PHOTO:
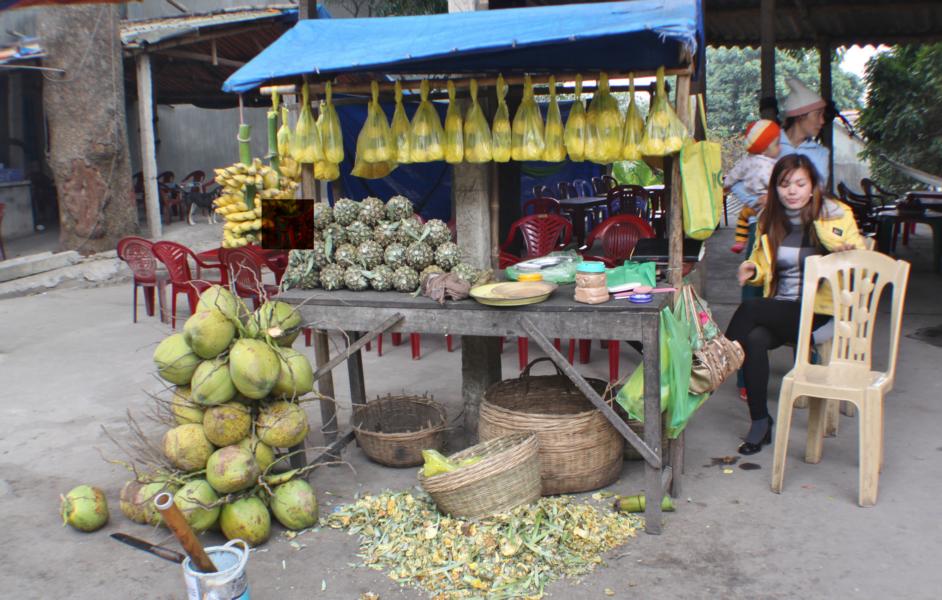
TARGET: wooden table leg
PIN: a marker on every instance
(325, 387)
(355, 372)
(654, 489)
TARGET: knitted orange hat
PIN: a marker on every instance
(761, 133)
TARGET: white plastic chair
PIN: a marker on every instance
(857, 279)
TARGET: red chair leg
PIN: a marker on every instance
(149, 294)
(396, 339)
(173, 311)
(523, 351)
(448, 345)
(307, 331)
(613, 360)
(134, 302)
(415, 340)
(369, 347)
(571, 350)
(501, 344)
(379, 345)
(585, 351)
(557, 344)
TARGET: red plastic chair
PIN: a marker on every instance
(244, 270)
(138, 254)
(176, 258)
(541, 206)
(541, 235)
(170, 199)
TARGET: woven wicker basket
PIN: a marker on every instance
(579, 448)
(508, 476)
(394, 430)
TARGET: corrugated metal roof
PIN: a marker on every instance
(137, 33)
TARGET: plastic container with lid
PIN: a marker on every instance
(530, 277)
(591, 286)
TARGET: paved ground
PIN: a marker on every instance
(71, 363)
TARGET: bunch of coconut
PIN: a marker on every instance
(235, 403)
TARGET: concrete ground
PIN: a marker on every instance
(71, 363)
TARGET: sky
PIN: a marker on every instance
(856, 57)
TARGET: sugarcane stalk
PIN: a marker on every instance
(245, 156)
(272, 155)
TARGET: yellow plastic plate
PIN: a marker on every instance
(513, 293)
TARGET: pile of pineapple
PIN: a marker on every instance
(372, 245)
(264, 184)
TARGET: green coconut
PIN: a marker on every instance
(281, 424)
(209, 332)
(232, 469)
(295, 505)
(84, 508)
(212, 384)
(264, 455)
(246, 519)
(175, 360)
(185, 410)
(296, 377)
(254, 368)
(137, 500)
(280, 320)
(187, 447)
(221, 299)
(227, 423)
(192, 500)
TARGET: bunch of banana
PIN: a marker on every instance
(260, 182)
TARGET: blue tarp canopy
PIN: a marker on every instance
(611, 36)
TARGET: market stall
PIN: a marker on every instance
(483, 48)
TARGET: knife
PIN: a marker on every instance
(164, 553)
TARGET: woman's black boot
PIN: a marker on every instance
(748, 447)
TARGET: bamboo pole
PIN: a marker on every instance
(676, 225)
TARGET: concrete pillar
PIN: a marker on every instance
(145, 107)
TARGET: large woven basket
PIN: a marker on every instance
(394, 430)
(579, 449)
(508, 476)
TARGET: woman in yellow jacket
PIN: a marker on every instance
(797, 222)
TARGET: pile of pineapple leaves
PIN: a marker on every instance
(510, 555)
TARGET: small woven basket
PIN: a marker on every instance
(394, 430)
(508, 476)
(579, 449)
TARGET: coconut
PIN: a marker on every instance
(227, 423)
(186, 447)
(192, 500)
(264, 455)
(246, 519)
(185, 410)
(84, 508)
(211, 383)
(295, 505)
(219, 298)
(175, 360)
(280, 320)
(209, 332)
(281, 424)
(296, 377)
(232, 469)
(254, 367)
(137, 500)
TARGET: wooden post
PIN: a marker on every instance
(767, 52)
(145, 111)
(827, 133)
(675, 213)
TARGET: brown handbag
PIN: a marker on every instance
(716, 358)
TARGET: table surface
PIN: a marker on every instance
(583, 200)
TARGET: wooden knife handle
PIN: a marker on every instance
(180, 528)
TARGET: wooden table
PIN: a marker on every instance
(887, 219)
(558, 317)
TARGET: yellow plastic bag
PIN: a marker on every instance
(331, 133)
(500, 130)
(555, 150)
(477, 133)
(663, 132)
(283, 136)
(425, 139)
(363, 167)
(574, 134)
(526, 140)
(400, 128)
(377, 142)
(326, 171)
(634, 126)
(454, 138)
(603, 126)
(306, 142)
(701, 168)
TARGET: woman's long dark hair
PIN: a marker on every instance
(774, 222)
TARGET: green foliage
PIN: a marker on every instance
(903, 117)
(635, 172)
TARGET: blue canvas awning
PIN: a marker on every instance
(612, 36)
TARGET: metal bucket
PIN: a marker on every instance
(228, 583)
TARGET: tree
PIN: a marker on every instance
(88, 142)
(386, 8)
(903, 117)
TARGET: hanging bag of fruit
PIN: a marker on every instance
(477, 133)
(425, 140)
(365, 168)
(634, 126)
(284, 135)
(574, 135)
(331, 133)
(664, 134)
(306, 142)
(500, 130)
(526, 140)
(454, 138)
(555, 150)
(400, 128)
(378, 143)
(603, 126)
(325, 170)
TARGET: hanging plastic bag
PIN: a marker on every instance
(400, 128)
(664, 134)
(377, 143)
(477, 133)
(306, 142)
(368, 170)
(454, 138)
(331, 133)
(555, 150)
(283, 136)
(526, 139)
(634, 126)
(701, 166)
(426, 136)
(603, 126)
(500, 130)
(574, 134)
(324, 170)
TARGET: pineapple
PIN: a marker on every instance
(381, 278)
(372, 211)
(310, 280)
(332, 277)
(429, 270)
(385, 232)
(370, 254)
(320, 254)
(419, 255)
(345, 255)
(395, 255)
(448, 255)
(358, 232)
(437, 233)
(346, 211)
(409, 231)
(355, 279)
(323, 215)
(336, 233)
(399, 207)
(466, 272)
(405, 279)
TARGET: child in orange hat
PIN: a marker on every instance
(753, 171)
